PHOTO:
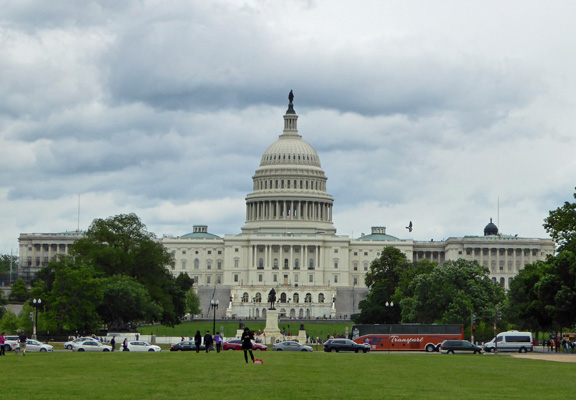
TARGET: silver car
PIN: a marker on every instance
(90, 345)
(68, 345)
(34, 346)
(291, 346)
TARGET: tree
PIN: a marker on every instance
(184, 282)
(74, 295)
(382, 279)
(451, 294)
(19, 292)
(193, 302)
(121, 245)
(125, 301)
(8, 262)
(561, 225)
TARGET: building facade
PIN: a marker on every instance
(289, 243)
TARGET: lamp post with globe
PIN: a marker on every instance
(36, 303)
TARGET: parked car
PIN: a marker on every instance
(236, 344)
(186, 345)
(90, 345)
(35, 346)
(511, 341)
(291, 346)
(138, 345)
(11, 342)
(459, 346)
(68, 345)
(341, 345)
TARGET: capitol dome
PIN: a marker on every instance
(289, 187)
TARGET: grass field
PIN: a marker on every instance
(315, 375)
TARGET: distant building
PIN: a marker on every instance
(289, 243)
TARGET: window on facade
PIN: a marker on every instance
(355, 266)
(308, 298)
(355, 253)
(296, 278)
(196, 280)
(311, 278)
(335, 264)
(219, 265)
(183, 264)
(208, 280)
(335, 278)
(236, 263)
(209, 251)
(355, 281)
(196, 251)
(219, 251)
(296, 298)
(285, 263)
(275, 278)
(219, 279)
(183, 251)
(196, 263)
(296, 264)
(275, 264)
(235, 277)
(365, 266)
(245, 298)
(260, 263)
(311, 264)
(209, 265)
(258, 297)
(260, 277)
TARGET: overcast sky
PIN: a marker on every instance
(429, 111)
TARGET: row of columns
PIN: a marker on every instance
(289, 209)
(268, 256)
(523, 260)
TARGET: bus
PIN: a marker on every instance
(407, 337)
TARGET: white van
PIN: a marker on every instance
(511, 341)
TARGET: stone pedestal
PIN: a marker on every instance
(301, 336)
(271, 332)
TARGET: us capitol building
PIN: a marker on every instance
(289, 243)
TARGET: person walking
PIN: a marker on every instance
(208, 341)
(198, 341)
(22, 342)
(218, 342)
(247, 338)
(2, 345)
(125, 345)
(113, 343)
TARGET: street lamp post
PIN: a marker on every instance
(214, 305)
(36, 304)
(389, 306)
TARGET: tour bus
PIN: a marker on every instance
(407, 337)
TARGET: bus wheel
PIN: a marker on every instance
(522, 349)
(430, 348)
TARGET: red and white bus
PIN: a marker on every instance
(407, 337)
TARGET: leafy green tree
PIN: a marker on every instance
(451, 294)
(70, 301)
(126, 300)
(8, 261)
(184, 282)
(382, 279)
(9, 322)
(19, 292)
(561, 225)
(121, 245)
(193, 302)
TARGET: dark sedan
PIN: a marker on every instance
(341, 345)
(459, 346)
(186, 345)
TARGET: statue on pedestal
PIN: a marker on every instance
(272, 299)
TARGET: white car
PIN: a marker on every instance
(11, 342)
(35, 346)
(90, 345)
(141, 346)
(70, 344)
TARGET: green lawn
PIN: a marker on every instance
(315, 375)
